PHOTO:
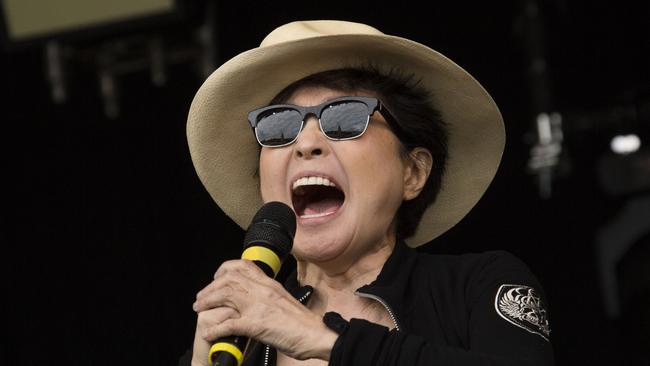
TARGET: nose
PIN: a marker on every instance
(311, 142)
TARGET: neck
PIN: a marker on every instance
(335, 283)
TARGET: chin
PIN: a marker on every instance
(317, 250)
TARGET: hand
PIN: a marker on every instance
(242, 300)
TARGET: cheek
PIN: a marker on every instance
(271, 176)
(380, 178)
(387, 184)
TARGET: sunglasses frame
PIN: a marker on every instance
(372, 103)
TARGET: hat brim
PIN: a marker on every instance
(225, 153)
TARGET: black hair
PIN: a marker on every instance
(419, 124)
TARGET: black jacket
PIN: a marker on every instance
(470, 309)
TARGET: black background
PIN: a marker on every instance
(108, 233)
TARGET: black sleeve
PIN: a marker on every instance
(507, 326)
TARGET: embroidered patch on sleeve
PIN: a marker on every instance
(523, 307)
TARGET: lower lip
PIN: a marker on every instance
(321, 219)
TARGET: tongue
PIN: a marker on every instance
(324, 206)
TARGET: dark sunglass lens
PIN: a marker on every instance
(344, 120)
(278, 126)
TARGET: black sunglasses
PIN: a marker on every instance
(342, 118)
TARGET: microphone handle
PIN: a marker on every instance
(233, 356)
(229, 351)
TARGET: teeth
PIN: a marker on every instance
(313, 181)
(322, 214)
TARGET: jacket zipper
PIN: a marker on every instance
(384, 303)
(305, 296)
(267, 349)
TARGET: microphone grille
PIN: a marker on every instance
(275, 225)
(278, 213)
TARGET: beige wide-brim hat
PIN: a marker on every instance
(225, 153)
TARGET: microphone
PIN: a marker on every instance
(267, 243)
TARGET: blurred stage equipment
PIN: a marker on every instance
(546, 152)
(622, 129)
(625, 144)
(114, 38)
(626, 176)
(546, 134)
(613, 243)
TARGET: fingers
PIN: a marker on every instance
(245, 267)
(225, 328)
(210, 322)
(220, 293)
(258, 307)
(234, 282)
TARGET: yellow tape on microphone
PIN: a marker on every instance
(262, 254)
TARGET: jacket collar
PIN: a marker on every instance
(391, 284)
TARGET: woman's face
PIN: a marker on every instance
(352, 219)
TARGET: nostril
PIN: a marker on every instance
(314, 152)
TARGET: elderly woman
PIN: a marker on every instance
(379, 144)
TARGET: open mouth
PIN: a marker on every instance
(316, 197)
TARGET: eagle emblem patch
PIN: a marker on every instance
(523, 307)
